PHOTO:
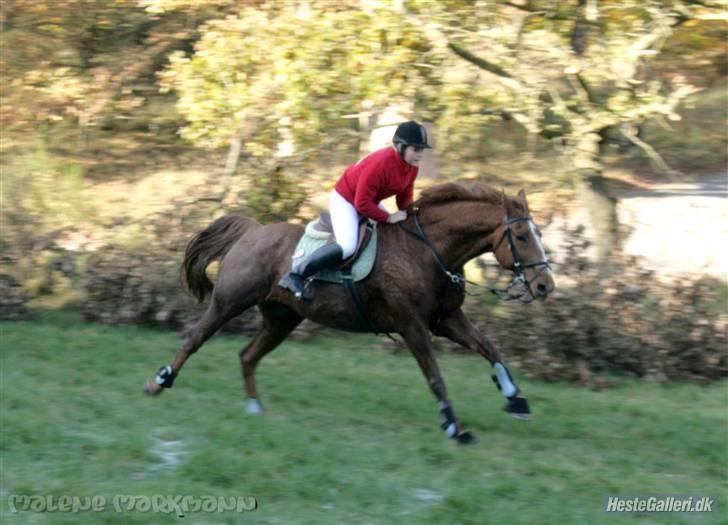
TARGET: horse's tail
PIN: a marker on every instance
(209, 245)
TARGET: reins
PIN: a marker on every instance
(455, 278)
(459, 279)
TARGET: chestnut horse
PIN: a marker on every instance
(415, 288)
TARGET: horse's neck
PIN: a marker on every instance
(461, 232)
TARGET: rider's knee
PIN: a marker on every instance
(347, 249)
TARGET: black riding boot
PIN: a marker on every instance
(324, 257)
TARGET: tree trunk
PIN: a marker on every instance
(594, 192)
(365, 130)
(602, 207)
(231, 165)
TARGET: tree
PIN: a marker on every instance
(295, 74)
(571, 72)
(277, 79)
(84, 63)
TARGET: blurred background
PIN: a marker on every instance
(128, 125)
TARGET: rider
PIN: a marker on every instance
(381, 174)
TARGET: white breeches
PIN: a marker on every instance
(345, 220)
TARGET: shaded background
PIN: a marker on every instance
(129, 125)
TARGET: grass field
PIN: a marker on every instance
(351, 435)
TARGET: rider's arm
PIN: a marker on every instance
(367, 188)
(404, 199)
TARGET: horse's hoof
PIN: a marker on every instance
(466, 438)
(254, 408)
(518, 408)
(151, 388)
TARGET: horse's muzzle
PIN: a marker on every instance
(542, 285)
(542, 291)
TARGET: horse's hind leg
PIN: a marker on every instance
(278, 323)
(217, 314)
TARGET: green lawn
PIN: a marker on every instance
(351, 435)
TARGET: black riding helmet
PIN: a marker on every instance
(411, 133)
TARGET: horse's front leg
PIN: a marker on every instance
(418, 341)
(458, 328)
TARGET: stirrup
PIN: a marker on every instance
(296, 285)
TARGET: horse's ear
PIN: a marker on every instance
(522, 196)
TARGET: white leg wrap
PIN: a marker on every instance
(451, 430)
(254, 407)
(508, 389)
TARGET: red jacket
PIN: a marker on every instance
(374, 178)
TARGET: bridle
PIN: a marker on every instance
(519, 265)
(519, 279)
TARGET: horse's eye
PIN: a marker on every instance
(521, 238)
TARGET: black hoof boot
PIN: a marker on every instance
(296, 284)
(165, 376)
(466, 438)
(518, 408)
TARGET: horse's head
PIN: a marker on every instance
(520, 250)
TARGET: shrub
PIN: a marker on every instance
(619, 319)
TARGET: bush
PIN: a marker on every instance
(600, 320)
(143, 288)
(621, 319)
(12, 299)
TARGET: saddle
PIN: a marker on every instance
(320, 232)
(322, 228)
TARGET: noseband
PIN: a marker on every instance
(519, 265)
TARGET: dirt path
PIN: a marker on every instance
(679, 227)
(676, 228)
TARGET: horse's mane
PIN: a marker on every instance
(462, 190)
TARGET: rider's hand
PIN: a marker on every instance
(397, 216)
